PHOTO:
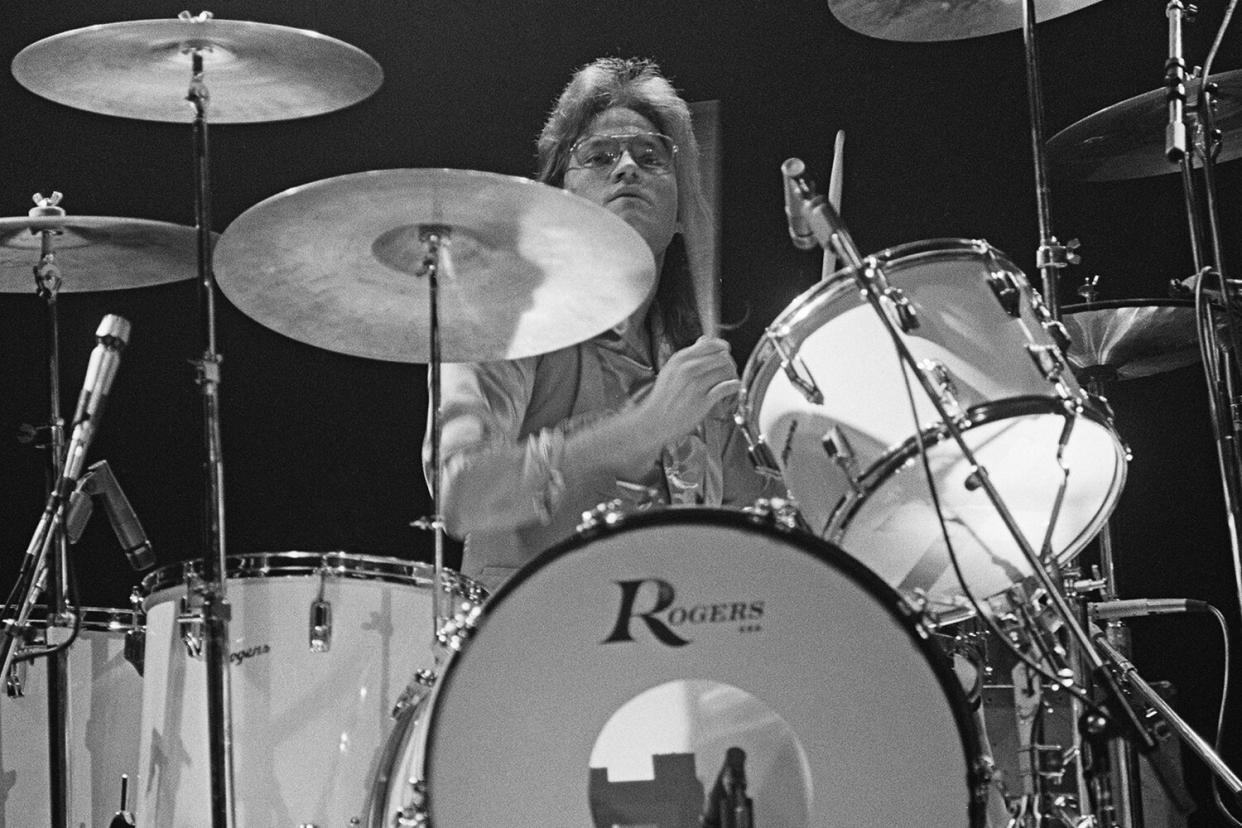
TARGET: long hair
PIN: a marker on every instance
(686, 295)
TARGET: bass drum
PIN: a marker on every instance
(607, 681)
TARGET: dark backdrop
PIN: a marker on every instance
(321, 450)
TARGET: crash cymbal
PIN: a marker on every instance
(529, 268)
(1126, 140)
(1131, 338)
(933, 20)
(254, 72)
(97, 252)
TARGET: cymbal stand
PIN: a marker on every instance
(436, 240)
(215, 606)
(46, 563)
(1051, 256)
(898, 316)
(1220, 354)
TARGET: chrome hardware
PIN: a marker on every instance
(906, 317)
(190, 619)
(938, 375)
(1004, 287)
(15, 681)
(608, 513)
(135, 648)
(320, 633)
(839, 451)
(791, 365)
(460, 627)
(1048, 360)
(415, 691)
(778, 510)
(1087, 290)
(414, 814)
(761, 455)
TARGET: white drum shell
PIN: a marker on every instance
(1014, 422)
(506, 735)
(307, 726)
(104, 704)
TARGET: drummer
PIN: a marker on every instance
(640, 413)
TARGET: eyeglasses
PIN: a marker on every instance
(650, 150)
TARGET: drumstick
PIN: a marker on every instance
(834, 198)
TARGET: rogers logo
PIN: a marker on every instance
(661, 614)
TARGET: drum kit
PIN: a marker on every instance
(937, 502)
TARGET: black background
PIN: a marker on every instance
(321, 450)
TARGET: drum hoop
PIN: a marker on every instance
(990, 412)
(298, 563)
(760, 368)
(896, 607)
(94, 619)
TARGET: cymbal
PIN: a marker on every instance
(1126, 140)
(529, 268)
(1131, 338)
(97, 252)
(924, 21)
(254, 72)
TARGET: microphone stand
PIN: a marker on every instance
(215, 606)
(1219, 354)
(45, 563)
(829, 230)
(1178, 725)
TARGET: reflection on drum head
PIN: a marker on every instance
(658, 756)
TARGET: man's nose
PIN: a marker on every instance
(626, 167)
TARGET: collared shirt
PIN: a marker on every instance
(526, 407)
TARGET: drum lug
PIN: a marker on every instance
(15, 681)
(135, 648)
(1006, 289)
(839, 451)
(191, 623)
(794, 369)
(1048, 360)
(320, 632)
(946, 389)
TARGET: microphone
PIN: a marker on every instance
(1137, 607)
(799, 229)
(100, 480)
(112, 336)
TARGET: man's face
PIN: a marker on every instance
(645, 197)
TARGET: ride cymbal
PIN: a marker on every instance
(97, 252)
(920, 21)
(254, 72)
(1127, 139)
(528, 268)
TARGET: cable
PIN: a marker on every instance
(987, 619)
(1220, 716)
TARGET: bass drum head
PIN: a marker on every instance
(607, 679)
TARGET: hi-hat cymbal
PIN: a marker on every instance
(1128, 339)
(932, 20)
(1127, 139)
(254, 72)
(529, 268)
(97, 252)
